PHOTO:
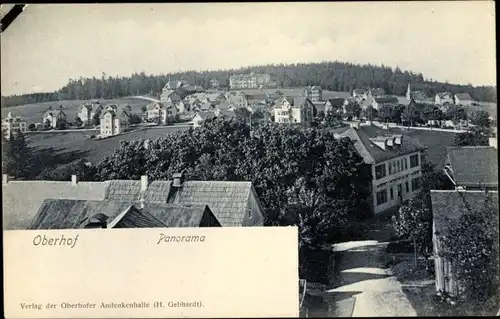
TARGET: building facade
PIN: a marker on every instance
(12, 125)
(297, 110)
(160, 112)
(395, 162)
(314, 93)
(444, 98)
(249, 81)
(113, 123)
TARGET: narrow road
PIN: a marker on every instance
(365, 285)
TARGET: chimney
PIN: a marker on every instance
(144, 183)
(493, 142)
(74, 180)
(178, 179)
(5, 178)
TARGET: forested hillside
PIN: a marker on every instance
(335, 76)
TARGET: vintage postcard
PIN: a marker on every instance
(298, 159)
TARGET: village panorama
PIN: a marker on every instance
(390, 177)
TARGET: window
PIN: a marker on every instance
(249, 213)
(413, 160)
(390, 169)
(379, 171)
(399, 166)
(406, 163)
(407, 187)
(382, 197)
(415, 184)
(392, 193)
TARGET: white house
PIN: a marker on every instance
(12, 125)
(159, 111)
(237, 98)
(443, 98)
(202, 116)
(395, 162)
(113, 123)
(53, 117)
(296, 110)
(314, 93)
(463, 99)
(87, 111)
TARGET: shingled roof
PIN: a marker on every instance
(174, 215)
(362, 139)
(474, 165)
(451, 204)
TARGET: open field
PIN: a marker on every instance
(435, 141)
(94, 150)
(33, 113)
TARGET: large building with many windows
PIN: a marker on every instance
(249, 81)
(395, 162)
(13, 124)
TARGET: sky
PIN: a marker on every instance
(50, 43)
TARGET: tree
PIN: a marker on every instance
(385, 113)
(352, 109)
(96, 119)
(455, 113)
(144, 109)
(47, 125)
(413, 222)
(78, 121)
(135, 119)
(471, 245)
(61, 124)
(474, 137)
(332, 118)
(15, 156)
(32, 127)
(481, 118)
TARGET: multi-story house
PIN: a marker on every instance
(159, 112)
(378, 102)
(201, 116)
(170, 96)
(395, 162)
(249, 81)
(53, 117)
(12, 125)
(113, 123)
(314, 93)
(463, 99)
(474, 172)
(237, 98)
(336, 105)
(444, 98)
(359, 93)
(87, 111)
(296, 110)
(184, 106)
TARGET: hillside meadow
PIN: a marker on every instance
(33, 113)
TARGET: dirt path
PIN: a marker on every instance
(366, 287)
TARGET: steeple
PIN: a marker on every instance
(408, 92)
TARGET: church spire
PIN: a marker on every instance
(408, 92)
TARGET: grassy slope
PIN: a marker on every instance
(79, 145)
(33, 113)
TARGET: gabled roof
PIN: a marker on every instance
(21, 199)
(336, 102)
(113, 113)
(463, 96)
(175, 215)
(403, 100)
(359, 91)
(205, 115)
(474, 165)
(445, 95)
(214, 96)
(206, 106)
(362, 139)
(227, 113)
(335, 94)
(224, 106)
(452, 204)
(386, 99)
(377, 92)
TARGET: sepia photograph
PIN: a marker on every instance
(371, 127)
